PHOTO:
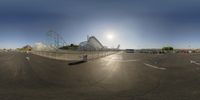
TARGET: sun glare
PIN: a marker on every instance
(110, 36)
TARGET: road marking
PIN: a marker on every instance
(121, 60)
(28, 58)
(116, 58)
(125, 60)
(149, 65)
(194, 62)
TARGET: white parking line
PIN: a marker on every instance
(28, 58)
(154, 66)
(121, 60)
(194, 62)
(126, 60)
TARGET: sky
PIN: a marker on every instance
(132, 23)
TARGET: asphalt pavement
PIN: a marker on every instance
(121, 76)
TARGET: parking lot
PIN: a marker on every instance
(121, 76)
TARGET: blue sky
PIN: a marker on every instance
(134, 23)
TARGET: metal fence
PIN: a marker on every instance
(73, 55)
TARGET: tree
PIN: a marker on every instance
(167, 49)
(71, 45)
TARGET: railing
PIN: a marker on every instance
(73, 55)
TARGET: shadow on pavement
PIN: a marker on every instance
(77, 62)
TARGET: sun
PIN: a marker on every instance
(110, 36)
